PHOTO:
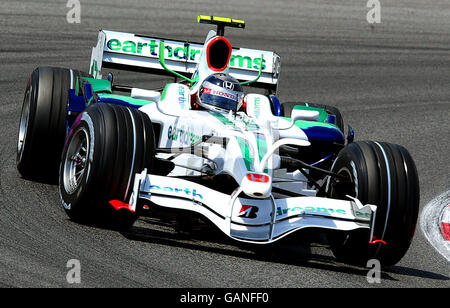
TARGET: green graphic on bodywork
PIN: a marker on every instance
(182, 134)
(262, 145)
(262, 148)
(323, 115)
(246, 155)
(223, 119)
(195, 79)
(99, 85)
(164, 92)
(94, 69)
(77, 87)
(249, 124)
(302, 124)
(257, 107)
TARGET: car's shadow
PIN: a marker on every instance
(291, 251)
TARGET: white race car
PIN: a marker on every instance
(257, 169)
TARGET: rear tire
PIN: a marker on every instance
(385, 175)
(106, 147)
(42, 128)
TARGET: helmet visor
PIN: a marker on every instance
(219, 97)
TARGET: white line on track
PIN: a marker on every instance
(430, 223)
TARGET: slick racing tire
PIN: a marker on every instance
(107, 145)
(384, 175)
(42, 127)
(286, 110)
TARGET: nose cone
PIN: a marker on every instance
(257, 185)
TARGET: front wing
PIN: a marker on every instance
(259, 221)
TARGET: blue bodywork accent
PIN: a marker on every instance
(326, 134)
(79, 99)
(88, 91)
(76, 103)
(331, 119)
(275, 105)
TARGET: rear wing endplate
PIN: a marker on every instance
(131, 52)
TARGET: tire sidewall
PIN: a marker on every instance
(73, 202)
(30, 99)
(109, 170)
(379, 173)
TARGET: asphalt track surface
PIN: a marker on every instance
(390, 80)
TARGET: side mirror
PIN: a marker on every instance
(110, 78)
(350, 134)
(304, 115)
(275, 105)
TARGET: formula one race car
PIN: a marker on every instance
(256, 169)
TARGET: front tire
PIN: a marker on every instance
(385, 175)
(106, 147)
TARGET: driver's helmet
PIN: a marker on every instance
(220, 92)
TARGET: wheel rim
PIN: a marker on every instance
(340, 189)
(75, 161)
(23, 127)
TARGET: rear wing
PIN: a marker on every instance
(132, 52)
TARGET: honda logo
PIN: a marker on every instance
(228, 85)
